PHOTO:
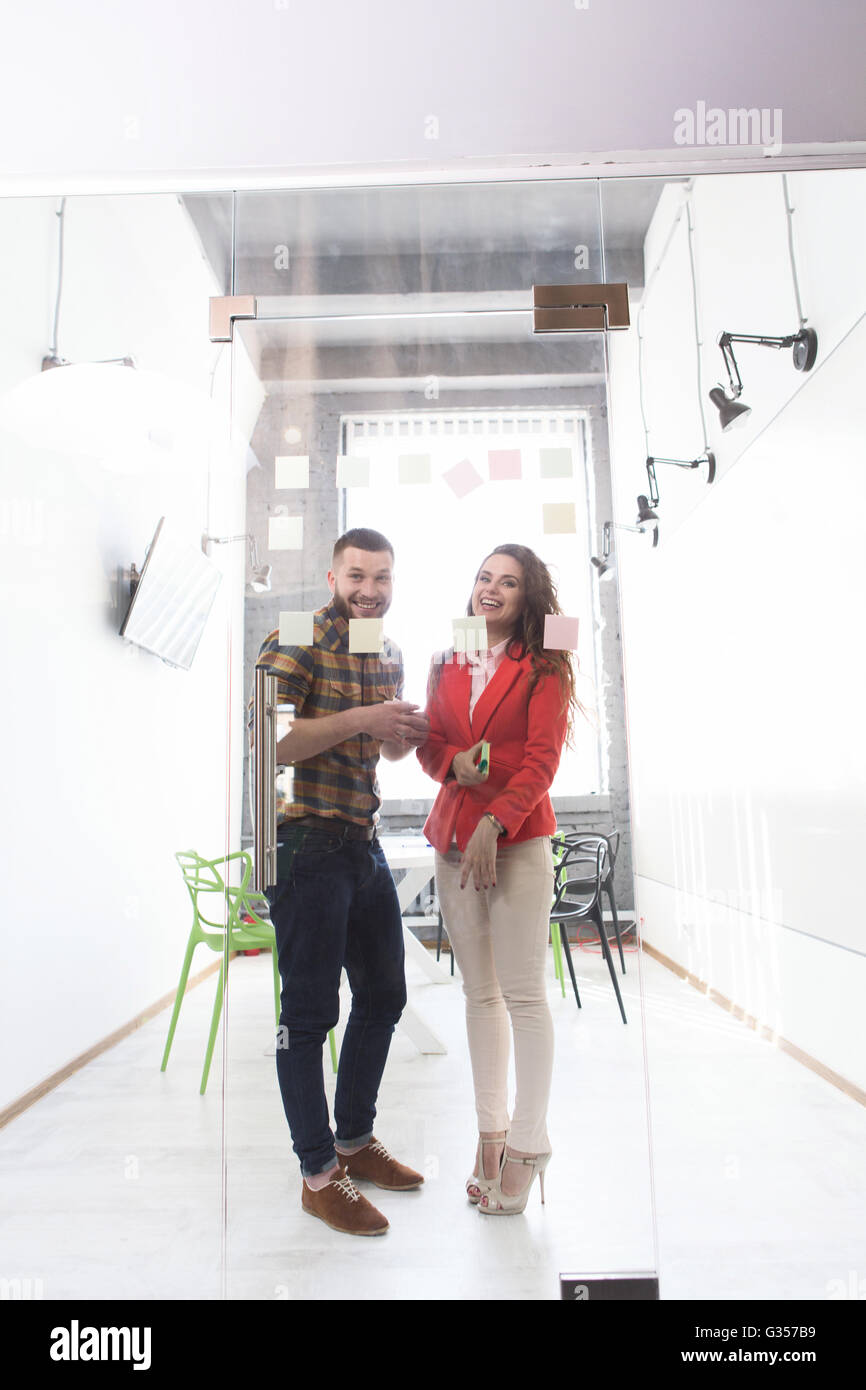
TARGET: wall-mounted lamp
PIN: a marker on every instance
(646, 505)
(260, 576)
(647, 513)
(731, 410)
(604, 562)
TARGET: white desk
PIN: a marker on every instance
(412, 853)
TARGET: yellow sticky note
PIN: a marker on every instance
(285, 532)
(353, 472)
(296, 629)
(556, 463)
(414, 468)
(469, 634)
(366, 635)
(559, 518)
(292, 470)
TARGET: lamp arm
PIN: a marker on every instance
(653, 482)
(761, 340)
(708, 458)
(730, 361)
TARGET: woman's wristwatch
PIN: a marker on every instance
(500, 828)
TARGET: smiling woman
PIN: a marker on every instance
(499, 595)
(491, 831)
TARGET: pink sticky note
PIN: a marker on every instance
(560, 633)
(462, 478)
(504, 464)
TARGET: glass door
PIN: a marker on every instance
(745, 752)
(116, 460)
(402, 389)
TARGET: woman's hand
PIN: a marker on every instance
(479, 856)
(464, 769)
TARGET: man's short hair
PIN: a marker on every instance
(361, 538)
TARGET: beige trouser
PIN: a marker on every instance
(499, 937)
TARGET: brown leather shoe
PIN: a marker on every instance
(374, 1164)
(341, 1206)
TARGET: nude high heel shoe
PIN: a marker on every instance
(476, 1186)
(495, 1202)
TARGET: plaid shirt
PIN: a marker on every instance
(324, 679)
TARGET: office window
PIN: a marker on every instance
(491, 480)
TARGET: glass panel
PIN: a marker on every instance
(113, 761)
(743, 681)
(353, 250)
(401, 317)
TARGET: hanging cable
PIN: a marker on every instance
(698, 344)
(789, 211)
(640, 376)
(58, 213)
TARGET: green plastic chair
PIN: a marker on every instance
(235, 924)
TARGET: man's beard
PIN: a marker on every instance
(342, 606)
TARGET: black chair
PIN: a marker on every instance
(579, 883)
(589, 844)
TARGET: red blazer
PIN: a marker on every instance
(525, 734)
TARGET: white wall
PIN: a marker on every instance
(205, 89)
(744, 660)
(111, 760)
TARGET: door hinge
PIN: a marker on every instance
(579, 308)
(224, 310)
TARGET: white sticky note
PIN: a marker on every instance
(559, 518)
(469, 634)
(296, 629)
(366, 635)
(556, 463)
(414, 468)
(353, 472)
(285, 533)
(292, 470)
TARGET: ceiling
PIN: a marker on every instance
(373, 268)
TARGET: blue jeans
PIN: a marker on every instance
(334, 905)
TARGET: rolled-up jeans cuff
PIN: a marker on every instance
(359, 1143)
(325, 1168)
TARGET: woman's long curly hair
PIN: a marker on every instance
(540, 598)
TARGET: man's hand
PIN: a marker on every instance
(464, 769)
(396, 721)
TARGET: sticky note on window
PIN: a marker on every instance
(504, 464)
(463, 478)
(292, 470)
(285, 532)
(560, 633)
(296, 629)
(556, 463)
(366, 635)
(558, 518)
(414, 468)
(353, 472)
(469, 634)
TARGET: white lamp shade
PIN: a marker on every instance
(117, 414)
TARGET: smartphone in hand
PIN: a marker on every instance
(483, 763)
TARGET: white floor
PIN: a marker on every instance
(112, 1184)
